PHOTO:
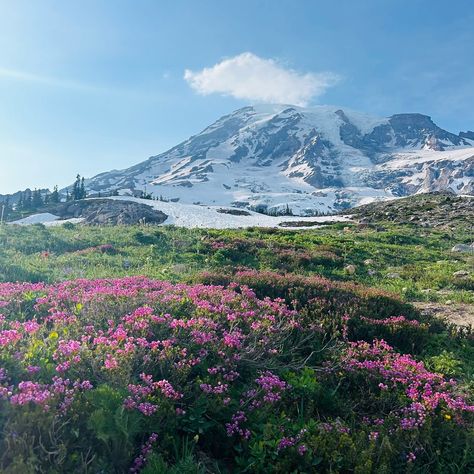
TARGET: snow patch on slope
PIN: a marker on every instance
(193, 216)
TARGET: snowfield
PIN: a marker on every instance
(195, 216)
(46, 219)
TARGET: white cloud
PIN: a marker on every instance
(250, 77)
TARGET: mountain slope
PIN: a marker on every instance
(440, 209)
(320, 158)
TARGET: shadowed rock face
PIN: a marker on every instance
(110, 212)
(414, 130)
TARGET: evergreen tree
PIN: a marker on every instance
(82, 190)
(54, 198)
(20, 203)
(27, 201)
(76, 189)
(36, 200)
(5, 209)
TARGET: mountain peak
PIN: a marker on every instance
(311, 159)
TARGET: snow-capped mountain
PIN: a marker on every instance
(321, 159)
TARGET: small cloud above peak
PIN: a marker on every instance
(250, 77)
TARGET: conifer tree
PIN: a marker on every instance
(76, 189)
(82, 190)
(54, 198)
(36, 200)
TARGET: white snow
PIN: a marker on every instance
(47, 219)
(43, 218)
(193, 216)
(196, 216)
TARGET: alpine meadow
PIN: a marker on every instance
(283, 286)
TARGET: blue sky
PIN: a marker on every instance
(92, 85)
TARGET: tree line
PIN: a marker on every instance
(33, 200)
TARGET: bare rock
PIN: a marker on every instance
(461, 274)
(351, 269)
(110, 212)
(464, 248)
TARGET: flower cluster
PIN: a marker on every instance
(145, 451)
(424, 391)
(204, 359)
(394, 322)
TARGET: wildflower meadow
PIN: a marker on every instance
(233, 370)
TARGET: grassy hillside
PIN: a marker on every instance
(261, 350)
(415, 263)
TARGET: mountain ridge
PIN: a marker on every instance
(310, 159)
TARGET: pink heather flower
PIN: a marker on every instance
(147, 408)
(31, 326)
(110, 362)
(302, 449)
(63, 366)
(70, 347)
(31, 392)
(234, 427)
(272, 386)
(395, 321)
(286, 442)
(233, 339)
(167, 390)
(84, 385)
(373, 435)
(146, 449)
(9, 336)
(217, 389)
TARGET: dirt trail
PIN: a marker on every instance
(457, 313)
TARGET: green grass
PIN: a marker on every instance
(421, 257)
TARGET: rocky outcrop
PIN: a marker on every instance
(109, 212)
(469, 135)
(463, 248)
(425, 210)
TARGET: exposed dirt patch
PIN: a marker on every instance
(457, 313)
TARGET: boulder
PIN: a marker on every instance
(461, 274)
(351, 269)
(463, 248)
(110, 212)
